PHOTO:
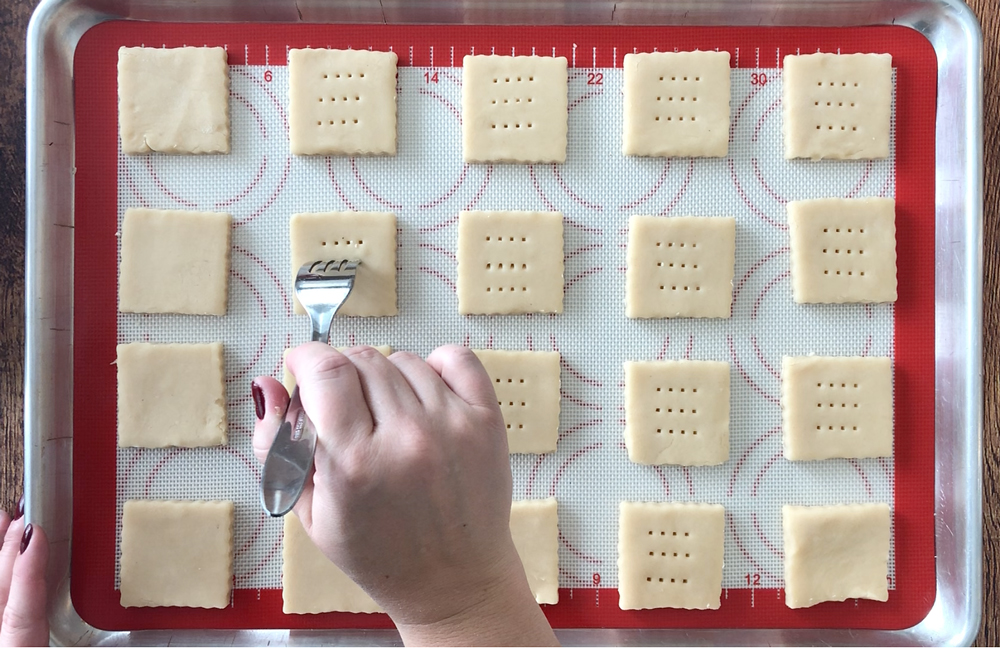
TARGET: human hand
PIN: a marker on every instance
(412, 488)
(23, 557)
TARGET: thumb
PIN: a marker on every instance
(25, 621)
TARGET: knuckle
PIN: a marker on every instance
(331, 364)
(363, 352)
(16, 622)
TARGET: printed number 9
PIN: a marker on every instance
(597, 579)
(267, 76)
(758, 79)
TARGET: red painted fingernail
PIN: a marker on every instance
(20, 509)
(258, 399)
(26, 538)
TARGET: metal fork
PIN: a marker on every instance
(321, 287)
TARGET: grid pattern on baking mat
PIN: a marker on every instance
(426, 184)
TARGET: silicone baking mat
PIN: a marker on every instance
(426, 185)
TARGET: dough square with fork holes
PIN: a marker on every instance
(680, 266)
(534, 526)
(171, 395)
(843, 250)
(177, 553)
(342, 102)
(514, 109)
(836, 407)
(174, 262)
(676, 104)
(173, 100)
(834, 553)
(368, 236)
(837, 106)
(670, 555)
(288, 380)
(311, 583)
(510, 262)
(527, 387)
(677, 412)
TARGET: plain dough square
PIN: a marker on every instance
(843, 250)
(833, 553)
(514, 109)
(676, 104)
(177, 553)
(534, 526)
(670, 555)
(836, 407)
(342, 102)
(527, 387)
(171, 395)
(173, 100)
(368, 236)
(174, 262)
(677, 412)
(311, 583)
(510, 262)
(680, 266)
(288, 380)
(837, 106)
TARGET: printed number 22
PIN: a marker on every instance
(758, 79)
(595, 78)
(430, 78)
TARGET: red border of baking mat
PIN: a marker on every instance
(95, 326)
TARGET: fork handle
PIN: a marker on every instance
(321, 325)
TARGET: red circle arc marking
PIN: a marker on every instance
(652, 192)
(763, 183)
(440, 250)
(445, 224)
(745, 375)
(253, 111)
(746, 200)
(681, 190)
(763, 118)
(336, 185)
(746, 454)
(444, 102)
(368, 190)
(538, 189)
(763, 538)
(253, 362)
(579, 427)
(739, 112)
(764, 469)
(260, 565)
(482, 188)
(437, 274)
(746, 554)
(572, 194)
(130, 465)
(246, 191)
(270, 95)
(864, 477)
(867, 349)
(534, 473)
(767, 288)
(687, 478)
(760, 358)
(272, 197)
(585, 96)
(755, 267)
(580, 402)
(662, 353)
(135, 190)
(270, 273)
(157, 468)
(573, 372)
(253, 290)
(449, 193)
(552, 492)
(689, 348)
(589, 272)
(663, 480)
(583, 250)
(861, 181)
(163, 188)
(576, 580)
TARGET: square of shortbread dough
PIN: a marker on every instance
(514, 109)
(534, 526)
(843, 250)
(174, 262)
(676, 104)
(366, 236)
(680, 266)
(342, 102)
(835, 553)
(670, 555)
(527, 387)
(510, 262)
(311, 583)
(677, 412)
(171, 395)
(837, 106)
(177, 553)
(836, 407)
(288, 380)
(173, 100)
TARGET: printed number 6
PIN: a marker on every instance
(267, 76)
(758, 79)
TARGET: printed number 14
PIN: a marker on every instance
(430, 78)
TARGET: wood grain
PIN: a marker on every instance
(14, 16)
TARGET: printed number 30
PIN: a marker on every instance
(758, 79)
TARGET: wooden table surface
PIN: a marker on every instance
(14, 16)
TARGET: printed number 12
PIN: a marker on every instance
(753, 579)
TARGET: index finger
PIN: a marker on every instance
(331, 393)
